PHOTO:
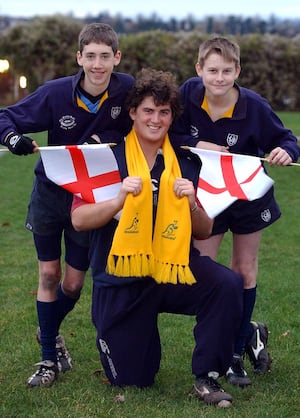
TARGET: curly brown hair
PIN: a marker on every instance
(161, 85)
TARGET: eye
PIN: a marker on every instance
(105, 56)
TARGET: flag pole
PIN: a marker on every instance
(261, 159)
(79, 146)
(294, 164)
(110, 144)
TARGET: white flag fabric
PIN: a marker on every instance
(91, 172)
(88, 171)
(225, 178)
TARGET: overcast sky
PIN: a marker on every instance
(163, 8)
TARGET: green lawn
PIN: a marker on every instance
(291, 120)
(82, 393)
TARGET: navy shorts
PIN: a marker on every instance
(246, 217)
(48, 217)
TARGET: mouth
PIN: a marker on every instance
(154, 128)
(97, 73)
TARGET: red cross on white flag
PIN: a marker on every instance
(91, 172)
(88, 171)
(225, 178)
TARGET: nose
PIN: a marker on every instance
(220, 76)
(155, 117)
(98, 62)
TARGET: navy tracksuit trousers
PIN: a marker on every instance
(126, 321)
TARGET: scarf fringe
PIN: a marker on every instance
(141, 265)
(138, 265)
(172, 273)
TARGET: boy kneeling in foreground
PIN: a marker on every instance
(145, 264)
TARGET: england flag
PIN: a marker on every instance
(91, 172)
(88, 171)
(225, 178)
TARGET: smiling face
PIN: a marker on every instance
(218, 75)
(98, 61)
(151, 122)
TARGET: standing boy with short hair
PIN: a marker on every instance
(222, 116)
(71, 109)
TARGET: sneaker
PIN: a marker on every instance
(45, 375)
(210, 391)
(236, 374)
(64, 360)
(256, 349)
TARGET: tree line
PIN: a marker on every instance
(45, 48)
(232, 24)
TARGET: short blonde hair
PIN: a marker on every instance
(229, 50)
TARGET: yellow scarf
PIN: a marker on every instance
(133, 251)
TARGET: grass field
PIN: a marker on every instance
(291, 120)
(83, 392)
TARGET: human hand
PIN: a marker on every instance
(129, 185)
(185, 187)
(279, 156)
(132, 185)
(19, 144)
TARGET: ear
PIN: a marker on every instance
(117, 58)
(237, 72)
(79, 58)
(198, 69)
(132, 113)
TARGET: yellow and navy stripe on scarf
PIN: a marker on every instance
(135, 251)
